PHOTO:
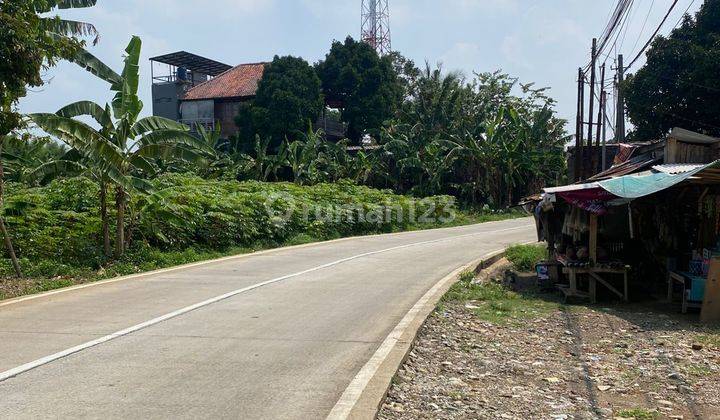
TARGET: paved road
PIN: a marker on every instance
(285, 349)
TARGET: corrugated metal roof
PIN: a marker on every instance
(676, 168)
(238, 82)
(633, 165)
(193, 62)
(687, 136)
(573, 187)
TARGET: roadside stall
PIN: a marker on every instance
(657, 226)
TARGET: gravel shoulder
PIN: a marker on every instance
(489, 353)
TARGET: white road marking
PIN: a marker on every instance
(219, 260)
(343, 408)
(53, 357)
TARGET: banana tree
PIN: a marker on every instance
(120, 151)
(28, 38)
(261, 164)
(64, 27)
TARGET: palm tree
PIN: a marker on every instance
(120, 152)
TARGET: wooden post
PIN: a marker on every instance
(597, 165)
(604, 131)
(627, 286)
(579, 124)
(593, 237)
(620, 130)
(711, 306)
(591, 118)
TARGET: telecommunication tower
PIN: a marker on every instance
(376, 25)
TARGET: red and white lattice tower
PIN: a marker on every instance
(376, 25)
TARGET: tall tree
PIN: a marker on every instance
(680, 84)
(287, 100)
(364, 85)
(30, 43)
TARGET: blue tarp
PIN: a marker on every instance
(636, 186)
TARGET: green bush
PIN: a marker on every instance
(57, 228)
(526, 257)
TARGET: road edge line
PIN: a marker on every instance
(21, 299)
(180, 312)
(363, 397)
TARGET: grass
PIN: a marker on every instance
(698, 370)
(499, 305)
(525, 257)
(710, 340)
(44, 276)
(638, 414)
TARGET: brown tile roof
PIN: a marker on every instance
(238, 82)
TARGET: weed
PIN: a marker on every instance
(710, 340)
(698, 370)
(638, 414)
(500, 305)
(525, 257)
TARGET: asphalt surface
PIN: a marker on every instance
(277, 335)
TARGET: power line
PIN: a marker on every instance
(617, 23)
(626, 26)
(642, 31)
(647, 44)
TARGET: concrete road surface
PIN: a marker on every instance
(275, 335)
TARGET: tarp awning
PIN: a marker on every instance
(642, 185)
(595, 197)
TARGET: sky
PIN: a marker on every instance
(540, 41)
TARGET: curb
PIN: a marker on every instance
(367, 392)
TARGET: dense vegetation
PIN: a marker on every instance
(57, 228)
(31, 42)
(474, 139)
(679, 85)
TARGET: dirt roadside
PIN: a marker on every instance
(488, 354)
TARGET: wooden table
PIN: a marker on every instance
(595, 277)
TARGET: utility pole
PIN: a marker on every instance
(604, 130)
(596, 165)
(592, 91)
(620, 129)
(579, 125)
(591, 116)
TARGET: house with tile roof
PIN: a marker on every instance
(218, 100)
(201, 92)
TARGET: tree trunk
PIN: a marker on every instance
(120, 237)
(3, 228)
(107, 247)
